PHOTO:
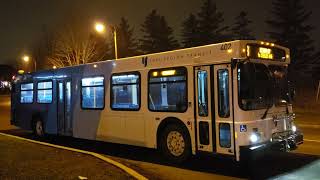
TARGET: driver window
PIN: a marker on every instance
(202, 77)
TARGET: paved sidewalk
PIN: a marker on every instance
(24, 160)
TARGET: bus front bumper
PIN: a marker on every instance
(283, 143)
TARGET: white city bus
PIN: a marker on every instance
(230, 98)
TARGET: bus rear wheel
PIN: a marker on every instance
(175, 143)
(38, 128)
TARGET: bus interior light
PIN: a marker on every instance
(155, 73)
(168, 73)
(229, 50)
(21, 71)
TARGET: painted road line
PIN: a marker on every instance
(128, 170)
(311, 140)
(317, 126)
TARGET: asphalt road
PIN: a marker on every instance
(303, 163)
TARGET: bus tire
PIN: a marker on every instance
(38, 128)
(175, 143)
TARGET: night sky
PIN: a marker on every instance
(21, 20)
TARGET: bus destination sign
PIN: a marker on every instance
(256, 51)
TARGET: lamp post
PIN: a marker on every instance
(100, 28)
(27, 58)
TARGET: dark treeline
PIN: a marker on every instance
(288, 22)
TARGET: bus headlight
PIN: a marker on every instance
(294, 128)
(254, 138)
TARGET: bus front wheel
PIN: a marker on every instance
(38, 128)
(175, 143)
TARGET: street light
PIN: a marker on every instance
(27, 58)
(100, 28)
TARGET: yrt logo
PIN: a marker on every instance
(144, 61)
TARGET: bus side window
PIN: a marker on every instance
(125, 91)
(26, 93)
(44, 92)
(223, 93)
(92, 93)
(167, 90)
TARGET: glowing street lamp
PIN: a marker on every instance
(27, 58)
(100, 28)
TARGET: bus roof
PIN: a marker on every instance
(209, 54)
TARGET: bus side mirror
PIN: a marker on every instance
(234, 63)
(291, 92)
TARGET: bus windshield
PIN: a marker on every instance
(255, 86)
(261, 86)
(281, 88)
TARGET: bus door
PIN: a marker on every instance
(204, 119)
(223, 109)
(64, 107)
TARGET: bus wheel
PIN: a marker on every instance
(175, 143)
(38, 127)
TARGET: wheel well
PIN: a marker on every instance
(165, 123)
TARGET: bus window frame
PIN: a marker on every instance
(45, 89)
(104, 92)
(186, 81)
(111, 90)
(33, 91)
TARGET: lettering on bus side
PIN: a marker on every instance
(225, 46)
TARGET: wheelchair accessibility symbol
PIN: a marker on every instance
(243, 128)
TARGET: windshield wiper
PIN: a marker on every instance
(266, 112)
(271, 95)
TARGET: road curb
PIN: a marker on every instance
(128, 170)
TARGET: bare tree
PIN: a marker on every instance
(73, 46)
(74, 42)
